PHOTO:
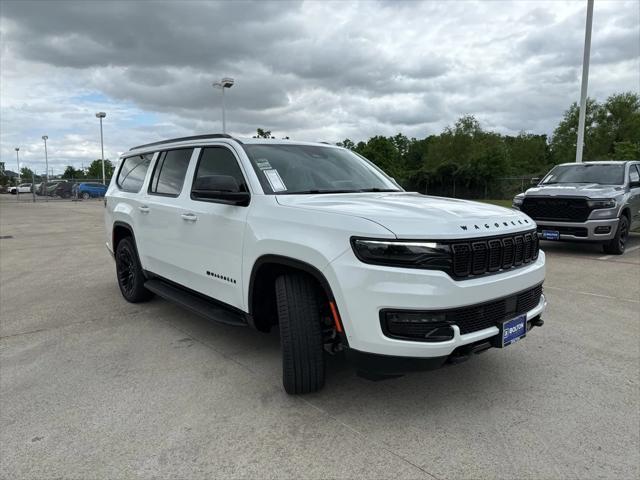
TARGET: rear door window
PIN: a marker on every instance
(170, 170)
(132, 172)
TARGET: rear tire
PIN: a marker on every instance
(299, 314)
(618, 243)
(129, 272)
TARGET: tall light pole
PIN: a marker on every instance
(585, 81)
(17, 149)
(46, 166)
(222, 84)
(101, 115)
(46, 157)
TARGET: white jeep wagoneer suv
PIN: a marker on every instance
(317, 240)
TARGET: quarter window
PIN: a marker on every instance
(169, 173)
(132, 172)
(220, 161)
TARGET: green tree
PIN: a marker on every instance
(26, 174)
(95, 169)
(261, 133)
(615, 121)
(347, 143)
(71, 172)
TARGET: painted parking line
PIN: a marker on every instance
(607, 257)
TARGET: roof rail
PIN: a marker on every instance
(185, 139)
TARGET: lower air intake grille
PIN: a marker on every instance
(478, 317)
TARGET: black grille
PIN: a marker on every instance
(478, 257)
(478, 317)
(559, 209)
(563, 230)
(469, 319)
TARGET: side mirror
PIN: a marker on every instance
(221, 189)
(634, 184)
(535, 181)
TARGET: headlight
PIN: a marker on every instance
(601, 203)
(517, 201)
(429, 255)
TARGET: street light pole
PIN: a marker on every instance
(17, 149)
(585, 81)
(46, 163)
(101, 115)
(222, 84)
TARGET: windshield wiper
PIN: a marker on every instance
(315, 191)
(379, 190)
(362, 190)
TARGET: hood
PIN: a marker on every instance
(591, 190)
(416, 216)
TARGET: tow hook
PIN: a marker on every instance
(537, 322)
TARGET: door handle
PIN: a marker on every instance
(143, 209)
(189, 217)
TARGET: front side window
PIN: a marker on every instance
(302, 169)
(602, 174)
(168, 175)
(220, 161)
(634, 176)
(132, 172)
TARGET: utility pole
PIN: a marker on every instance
(585, 81)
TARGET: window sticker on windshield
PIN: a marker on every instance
(263, 164)
(277, 185)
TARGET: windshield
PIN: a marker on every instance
(291, 169)
(586, 173)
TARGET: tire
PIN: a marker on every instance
(129, 272)
(86, 196)
(618, 243)
(299, 314)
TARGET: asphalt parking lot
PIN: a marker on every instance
(94, 387)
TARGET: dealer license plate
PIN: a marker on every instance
(513, 330)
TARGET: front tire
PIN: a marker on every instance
(299, 314)
(618, 243)
(86, 196)
(129, 271)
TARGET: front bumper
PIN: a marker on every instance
(581, 231)
(361, 291)
(387, 365)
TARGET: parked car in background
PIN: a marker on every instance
(591, 201)
(60, 189)
(45, 188)
(87, 190)
(22, 188)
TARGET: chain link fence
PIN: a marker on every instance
(503, 188)
(85, 189)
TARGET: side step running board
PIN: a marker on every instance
(196, 303)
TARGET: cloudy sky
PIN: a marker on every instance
(312, 71)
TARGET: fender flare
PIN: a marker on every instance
(291, 263)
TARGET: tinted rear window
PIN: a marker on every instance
(169, 173)
(132, 172)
